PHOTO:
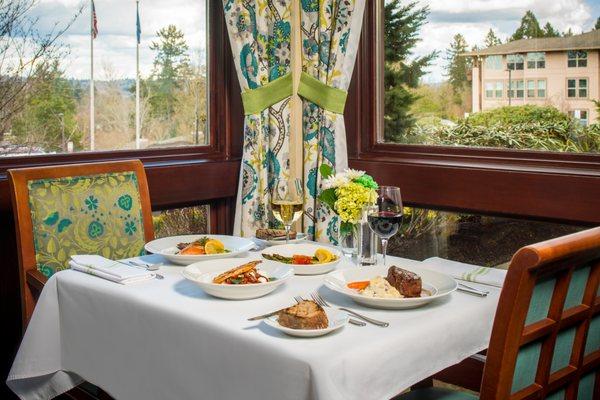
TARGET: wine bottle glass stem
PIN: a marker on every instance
(384, 243)
(287, 234)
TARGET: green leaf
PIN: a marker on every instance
(51, 219)
(63, 224)
(346, 228)
(328, 197)
(326, 171)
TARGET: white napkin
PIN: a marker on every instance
(467, 272)
(108, 269)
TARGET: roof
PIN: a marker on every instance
(584, 41)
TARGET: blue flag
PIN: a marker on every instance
(138, 27)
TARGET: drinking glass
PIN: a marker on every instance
(286, 202)
(386, 217)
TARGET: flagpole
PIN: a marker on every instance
(138, 127)
(92, 122)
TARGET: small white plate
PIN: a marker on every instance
(438, 284)
(337, 319)
(203, 273)
(300, 237)
(307, 249)
(167, 247)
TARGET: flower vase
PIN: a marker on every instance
(348, 239)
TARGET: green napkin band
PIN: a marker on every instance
(327, 97)
(256, 100)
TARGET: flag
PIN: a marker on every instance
(94, 21)
(138, 26)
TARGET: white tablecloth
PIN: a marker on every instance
(166, 339)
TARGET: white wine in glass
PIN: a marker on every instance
(286, 203)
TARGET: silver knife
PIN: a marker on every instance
(267, 315)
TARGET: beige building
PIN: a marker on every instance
(563, 72)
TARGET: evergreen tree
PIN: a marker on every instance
(529, 28)
(457, 67)
(597, 26)
(170, 69)
(402, 25)
(568, 33)
(491, 39)
(550, 31)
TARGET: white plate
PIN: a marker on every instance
(438, 284)
(337, 319)
(307, 249)
(167, 247)
(300, 237)
(202, 273)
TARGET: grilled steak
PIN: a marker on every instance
(268, 234)
(304, 315)
(406, 282)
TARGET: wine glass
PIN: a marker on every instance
(386, 216)
(286, 202)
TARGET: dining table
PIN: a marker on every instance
(167, 339)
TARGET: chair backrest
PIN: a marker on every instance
(545, 341)
(101, 208)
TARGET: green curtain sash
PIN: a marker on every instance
(325, 96)
(256, 100)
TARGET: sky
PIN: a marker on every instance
(114, 48)
(115, 45)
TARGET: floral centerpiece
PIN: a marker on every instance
(346, 193)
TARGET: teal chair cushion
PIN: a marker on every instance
(96, 214)
(436, 394)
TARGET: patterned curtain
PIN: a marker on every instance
(259, 32)
(330, 35)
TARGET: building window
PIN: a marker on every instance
(577, 88)
(530, 88)
(499, 89)
(536, 88)
(515, 61)
(576, 58)
(541, 88)
(489, 90)
(536, 60)
(493, 90)
(516, 87)
(580, 115)
(493, 62)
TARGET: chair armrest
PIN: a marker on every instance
(36, 279)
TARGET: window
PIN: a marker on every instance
(515, 61)
(493, 89)
(493, 62)
(577, 88)
(536, 60)
(580, 115)
(516, 87)
(541, 88)
(536, 88)
(54, 111)
(576, 58)
(530, 88)
(181, 221)
(499, 89)
(489, 90)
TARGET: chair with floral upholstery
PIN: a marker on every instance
(545, 341)
(101, 208)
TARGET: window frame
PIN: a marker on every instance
(538, 62)
(493, 181)
(578, 88)
(520, 60)
(577, 59)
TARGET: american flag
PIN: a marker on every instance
(94, 21)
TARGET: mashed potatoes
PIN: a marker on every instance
(379, 287)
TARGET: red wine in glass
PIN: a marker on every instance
(385, 224)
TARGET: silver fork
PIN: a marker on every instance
(351, 320)
(146, 267)
(317, 297)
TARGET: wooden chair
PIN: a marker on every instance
(101, 208)
(545, 342)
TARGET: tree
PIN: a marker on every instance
(597, 26)
(550, 31)
(402, 73)
(568, 33)
(491, 39)
(170, 69)
(529, 28)
(457, 67)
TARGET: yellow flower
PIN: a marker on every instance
(351, 198)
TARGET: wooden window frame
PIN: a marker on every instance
(552, 186)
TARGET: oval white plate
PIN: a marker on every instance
(167, 247)
(438, 284)
(307, 249)
(300, 237)
(337, 319)
(202, 273)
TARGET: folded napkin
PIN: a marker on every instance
(109, 269)
(467, 272)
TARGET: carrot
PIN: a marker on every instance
(358, 285)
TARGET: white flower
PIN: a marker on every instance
(353, 174)
(335, 181)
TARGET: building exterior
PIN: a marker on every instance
(563, 72)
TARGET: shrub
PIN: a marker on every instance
(526, 114)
